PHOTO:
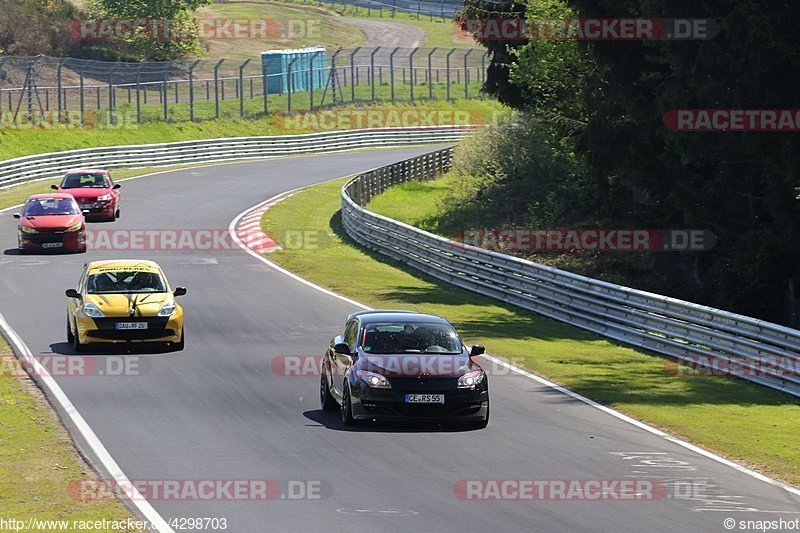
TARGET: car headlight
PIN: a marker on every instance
(27, 229)
(167, 309)
(76, 227)
(104, 197)
(376, 381)
(92, 311)
(471, 379)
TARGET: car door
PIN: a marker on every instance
(74, 303)
(341, 363)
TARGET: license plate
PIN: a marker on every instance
(131, 325)
(52, 244)
(424, 398)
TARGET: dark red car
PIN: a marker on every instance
(95, 192)
(51, 222)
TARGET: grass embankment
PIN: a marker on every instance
(37, 458)
(746, 422)
(19, 142)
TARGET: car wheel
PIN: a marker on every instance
(326, 398)
(178, 346)
(70, 336)
(347, 406)
(116, 213)
(77, 345)
(22, 251)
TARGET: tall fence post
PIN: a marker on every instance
(265, 85)
(430, 73)
(164, 98)
(82, 99)
(289, 85)
(451, 52)
(372, 70)
(216, 87)
(111, 118)
(353, 74)
(58, 82)
(483, 74)
(191, 89)
(391, 70)
(466, 73)
(138, 97)
(311, 81)
(241, 87)
(411, 71)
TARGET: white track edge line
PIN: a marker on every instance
(608, 410)
(85, 430)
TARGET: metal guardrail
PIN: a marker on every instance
(51, 165)
(682, 330)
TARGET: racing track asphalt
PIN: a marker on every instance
(218, 411)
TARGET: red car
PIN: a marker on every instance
(51, 221)
(95, 191)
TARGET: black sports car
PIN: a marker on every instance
(401, 365)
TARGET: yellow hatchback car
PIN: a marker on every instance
(124, 301)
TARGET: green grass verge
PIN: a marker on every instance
(20, 142)
(310, 27)
(38, 460)
(748, 423)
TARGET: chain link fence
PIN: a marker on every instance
(113, 93)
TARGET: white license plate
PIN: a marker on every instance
(424, 398)
(131, 325)
(52, 244)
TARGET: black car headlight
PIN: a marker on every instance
(376, 381)
(471, 379)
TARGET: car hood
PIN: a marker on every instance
(116, 305)
(86, 192)
(51, 222)
(414, 365)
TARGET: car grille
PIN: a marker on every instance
(107, 328)
(44, 237)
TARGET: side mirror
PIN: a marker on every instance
(477, 349)
(16, 215)
(54, 187)
(342, 348)
(72, 293)
(179, 291)
(117, 186)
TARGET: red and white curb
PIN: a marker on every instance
(248, 229)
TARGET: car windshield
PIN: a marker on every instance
(410, 337)
(130, 282)
(51, 206)
(84, 179)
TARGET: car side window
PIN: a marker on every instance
(350, 333)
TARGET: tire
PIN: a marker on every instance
(178, 346)
(70, 336)
(347, 406)
(116, 213)
(327, 400)
(77, 345)
(22, 251)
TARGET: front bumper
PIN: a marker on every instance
(98, 209)
(460, 405)
(73, 241)
(104, 330)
